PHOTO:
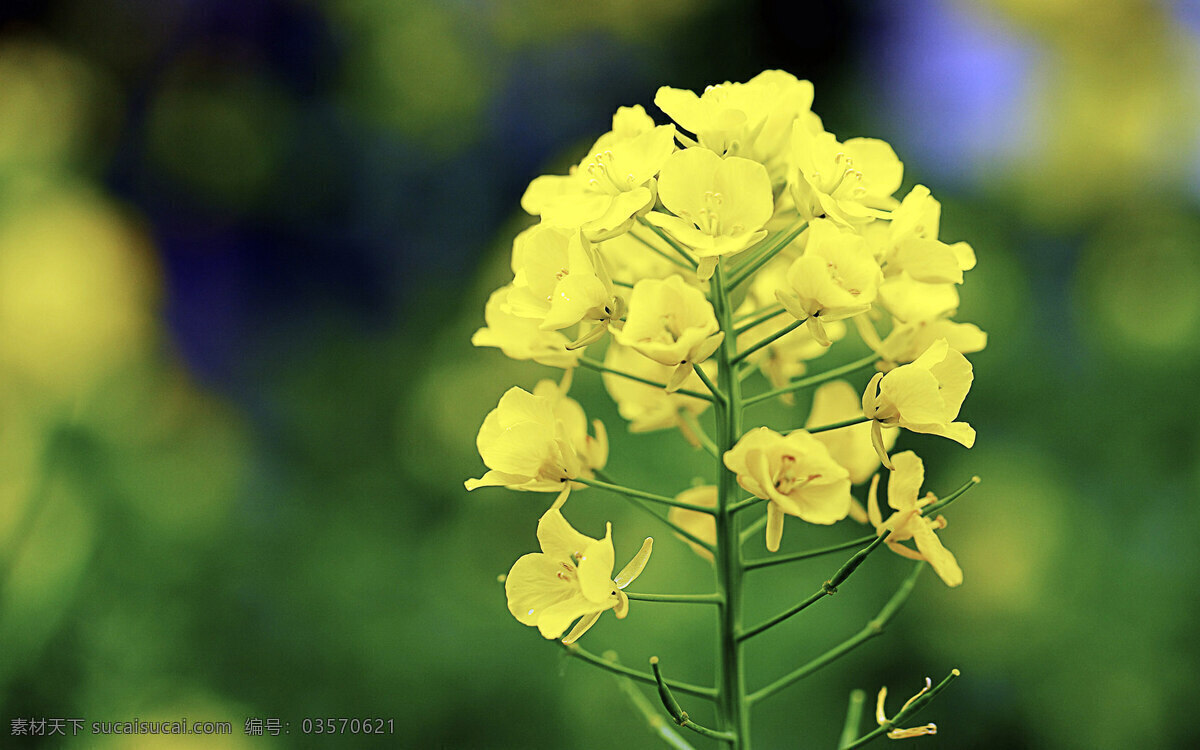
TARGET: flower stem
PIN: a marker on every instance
(733, 710)
(905, 714)
(768, 340)
(854, 711)
(802, 383)
(592, 364)
(630, 492)
(575, 650)
(747, 269)
(650, 245)
(698, 431)
(780, 559)
(827, 589)
(680, 598)
(677, 713)
(759, 317)
(872, 629)
(837, 425)
(667, 239)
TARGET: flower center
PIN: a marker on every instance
(604, 177)
(786, 480)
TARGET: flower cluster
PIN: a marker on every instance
(739, 239)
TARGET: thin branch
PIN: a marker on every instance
(574, 649)
(854, 713)
(905, 713)
(747, 270)
(828, 588)
(592, 364)
(939, 505)
(767, 562)
(667, 239)
(802, 383)
(837, 425)
(631, 492)
(771, 311)
(658, 726)
(708, 383)
(752, 529)
(744, 503)
(651, 246)
(678, 714)
(678, 598)
(873, 628)
(768, 340)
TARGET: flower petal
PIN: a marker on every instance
(581, 627)
(533, 586)
(595, 568)
(635, 566)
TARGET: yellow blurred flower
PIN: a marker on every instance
(702, 525)
(570, 578)
(645, 407)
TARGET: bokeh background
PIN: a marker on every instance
(244, 243)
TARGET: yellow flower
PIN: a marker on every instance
(611, 185)
(923, 396)
(795, 473)
(907, 522)
(627, 258)
(522, 338)
(645, 407)
(538, 441)
(849, 446)
(720, 205)
(911, 301)
(836, 278)
(702, 525)
(849, 182)
(909, 242)
(570, 578)
(560, 280)
(907, 341)
(672, 324)
(904, 734)
(752, 120)
(783, 359)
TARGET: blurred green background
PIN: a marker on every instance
(244, 243)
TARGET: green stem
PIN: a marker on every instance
(630, 492)
(837, 425)
(733, 710)
(677, 713)
(828, 588)
(767, 562)
(578, 652)
(672, 243)
(854, 712)
(755, 527)
(718, 394)
(905, 714)
(653, 717)
(744, 503)
(872, 629)
(771, 311)
(651, 246)
(768, 340)
(592, 364)
(680, 598)
(746, 270)
(802, 383)
(939, 505)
